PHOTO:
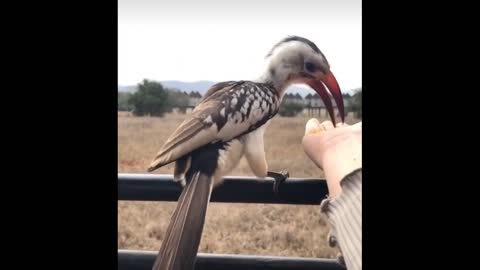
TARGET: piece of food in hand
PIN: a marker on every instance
(313, 127)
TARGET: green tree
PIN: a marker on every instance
(290, 109)
(123, 104)
(150, 99)
(356, 105)
(177, 99)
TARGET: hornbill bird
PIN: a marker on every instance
(229, 122)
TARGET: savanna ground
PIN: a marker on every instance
(257, 229)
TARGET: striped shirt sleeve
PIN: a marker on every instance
(344, 213)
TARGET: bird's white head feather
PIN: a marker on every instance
(288, 61)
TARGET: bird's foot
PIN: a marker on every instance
(181, 181)
(279, 178)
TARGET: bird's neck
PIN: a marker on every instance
(279, 82)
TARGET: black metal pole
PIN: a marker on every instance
(154, 187)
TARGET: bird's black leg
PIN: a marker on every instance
(279, 178)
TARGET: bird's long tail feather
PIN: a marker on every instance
(182, 238)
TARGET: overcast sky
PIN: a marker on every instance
(224, 40)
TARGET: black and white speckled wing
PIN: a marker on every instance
(228, 110)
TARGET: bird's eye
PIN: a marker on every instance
(310, 67)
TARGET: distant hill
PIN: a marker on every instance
(198, 86)
(203, 86)
(127, 89)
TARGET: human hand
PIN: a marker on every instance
(337, 151)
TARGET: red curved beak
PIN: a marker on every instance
(320, 86)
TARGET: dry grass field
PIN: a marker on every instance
(279, 230)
